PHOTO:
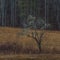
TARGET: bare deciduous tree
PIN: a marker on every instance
(38, 37)
(32, 23)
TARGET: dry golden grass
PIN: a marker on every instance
(51, 39)
(31, 57)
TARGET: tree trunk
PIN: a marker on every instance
(39, 46)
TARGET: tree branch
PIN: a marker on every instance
(34, 37)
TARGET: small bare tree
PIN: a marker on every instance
(33, 23)
(38, 38)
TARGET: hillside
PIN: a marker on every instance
(50, 42)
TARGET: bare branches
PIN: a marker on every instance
(33, 36)
(37, 37)
(41, 35)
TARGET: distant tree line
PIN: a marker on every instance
(15, 13)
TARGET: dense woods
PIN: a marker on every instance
(15, 13)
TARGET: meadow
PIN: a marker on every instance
(50, 41)
(14, 45)
(31, 57)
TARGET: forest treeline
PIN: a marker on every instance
(18, 13)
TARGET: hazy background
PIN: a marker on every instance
(15, 13)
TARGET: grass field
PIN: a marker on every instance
(50, 43)
(31, 57)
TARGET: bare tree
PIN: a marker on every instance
(33, 23)
(38, 37)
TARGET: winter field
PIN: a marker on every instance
(31, 57)
(14, 45)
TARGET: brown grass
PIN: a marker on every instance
(31, 57)
(50, 42)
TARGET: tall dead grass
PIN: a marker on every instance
(11, 39)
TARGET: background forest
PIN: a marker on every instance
(20, 13)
